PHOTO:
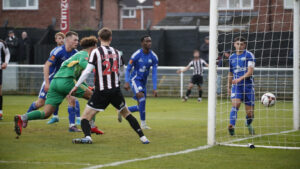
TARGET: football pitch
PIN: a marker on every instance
(176, 127)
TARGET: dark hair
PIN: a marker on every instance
(145, 36)
(196, 50)
(240, 38)
(87, 42)
(105, 34)
(70, 33)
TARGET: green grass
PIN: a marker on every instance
(175, 126)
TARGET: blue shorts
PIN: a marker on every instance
(43, 93)
(138, 86)
(243, 92)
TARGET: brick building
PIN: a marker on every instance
(253, 15)
(260, 15)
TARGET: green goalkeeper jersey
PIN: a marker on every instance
(73, 66)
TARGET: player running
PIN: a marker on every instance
(3, 50)
(106, 61)
(241, 64)
(52, 65)
(141, 61)
(61, 85)
(197, 77)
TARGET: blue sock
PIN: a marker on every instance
(249, 120)
(32, 107)
(56, 112)
(72, 112)
(142, 105)
(133, 108)
(77, 107)
(233, 115)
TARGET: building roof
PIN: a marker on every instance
(202, 19)
(135, 3)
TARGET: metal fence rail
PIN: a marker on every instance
(27, 79)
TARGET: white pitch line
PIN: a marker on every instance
(52, 163)
(262, 146)
(149, 158)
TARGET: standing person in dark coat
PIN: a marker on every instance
(13, 44)
(204, 49)
(25, 48)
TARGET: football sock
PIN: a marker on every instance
(142, 105)
(233, 115)
(72, 113)
(34, 115)
(200, 93)
(133, 108)
(32, 107)
(188, 92)
(92, 122)
(86, 128)
(1, 102)
(55, 114)
(135, 125)
(77, 107)
(249, 120)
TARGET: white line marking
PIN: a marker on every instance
(52, 163)
(149, 158)
(262, 146)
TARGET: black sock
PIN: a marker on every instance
(0, 102)
(86, 127)
(135, 125)
(188, 92)
(200, 93)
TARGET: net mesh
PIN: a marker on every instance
(268, 29)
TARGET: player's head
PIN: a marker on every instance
(59, 38)
(146, 42)
(240, 43)
(196, 54)
(206, 39)
(89, 43)
(72, 39)
(105, 34)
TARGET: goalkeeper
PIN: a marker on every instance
(240, 76)
(61, 85)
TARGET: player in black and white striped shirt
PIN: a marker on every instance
(197, 77)
(3, 51)
(107, 63)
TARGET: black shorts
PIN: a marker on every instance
(101, 99)
(197, 79)
(0, 76)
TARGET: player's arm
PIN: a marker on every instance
(7, 56)
(84, 75)
(46, 75)
(184, 69)
(154, 79)
(127, 74)
(229, 82)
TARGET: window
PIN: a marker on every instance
(288, 4)
(128, 13)
(235, 4)
(93, 4)
(20, 4)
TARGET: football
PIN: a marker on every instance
(268, 99)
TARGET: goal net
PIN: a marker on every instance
(268, 27)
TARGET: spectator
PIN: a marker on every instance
(204, 49)
(12, 43)
(223, 61)
(25, 49)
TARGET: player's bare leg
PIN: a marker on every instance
(188, 92)
(249, 118)
(236, 103)
(200, 93)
